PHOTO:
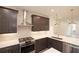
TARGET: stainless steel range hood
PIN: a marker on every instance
(24, 21)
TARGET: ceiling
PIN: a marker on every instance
(61, 11)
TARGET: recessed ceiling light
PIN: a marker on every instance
(52, 10)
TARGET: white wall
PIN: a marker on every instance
(40, 34)
(25, 32)
(62, 28)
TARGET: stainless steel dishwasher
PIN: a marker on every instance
(70, 48)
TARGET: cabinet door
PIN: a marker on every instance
(10, 49)
(8, 20)
(14, 49)
(66, 47)
(41, 44)
(55, 44)
(50, 43)
(58, 45)
(75, 50)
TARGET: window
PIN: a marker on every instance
(71, 31)
(40, 23)
(73, 27)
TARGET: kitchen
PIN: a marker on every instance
(33, 35)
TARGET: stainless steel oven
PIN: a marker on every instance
(26, 44)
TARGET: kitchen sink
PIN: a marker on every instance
(56, 38)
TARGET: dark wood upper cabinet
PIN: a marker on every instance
(8, 20)
(40, 23)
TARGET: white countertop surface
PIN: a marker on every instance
(11, 41)
(8, 40)
(70, 40)
(8, 43)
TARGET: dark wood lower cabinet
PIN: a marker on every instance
(11, 49)
(75, 50)
(44, 43)
(41, 44)
(50, 43)
(55, 44)
(70, 48)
